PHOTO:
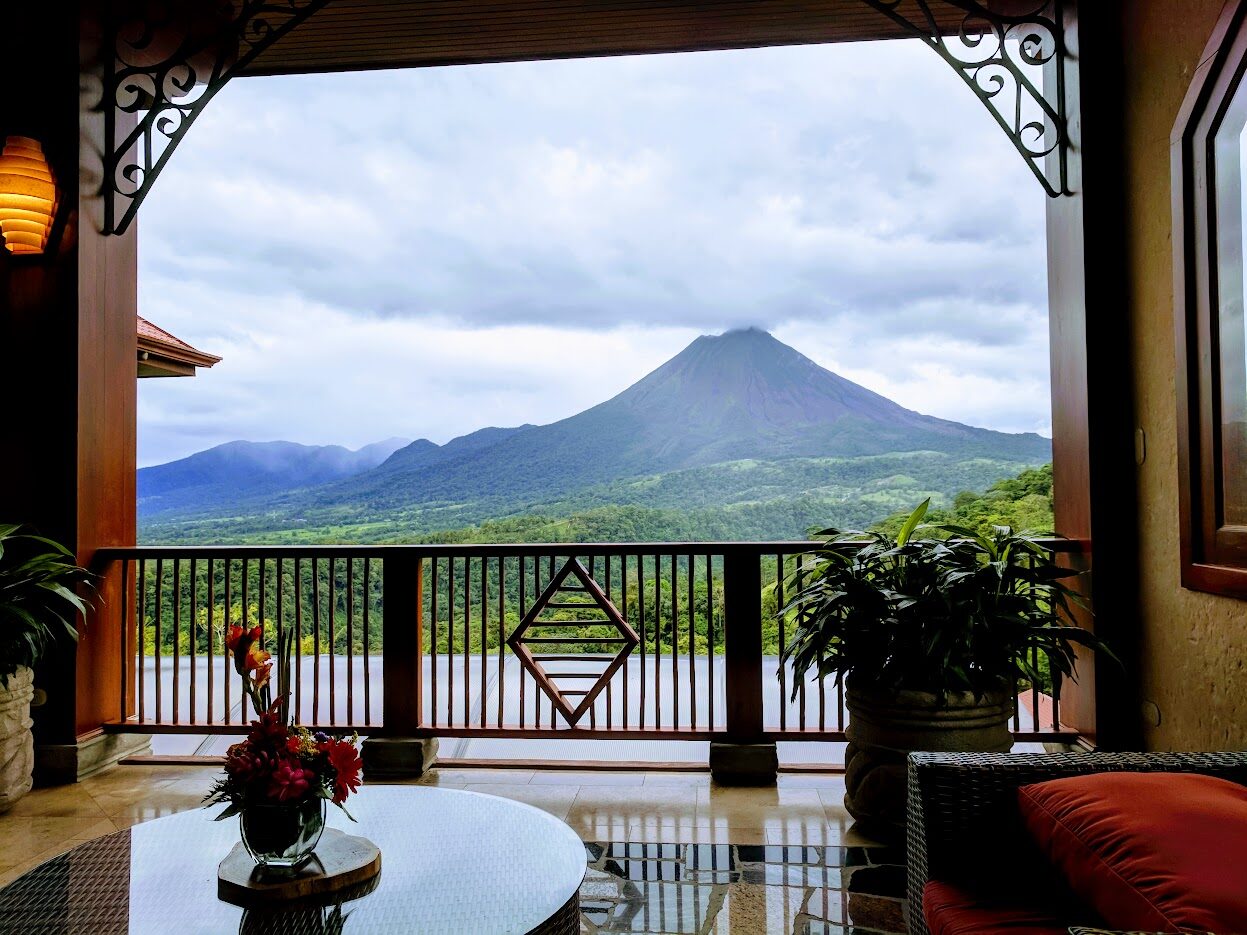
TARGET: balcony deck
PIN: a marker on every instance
(666, 852)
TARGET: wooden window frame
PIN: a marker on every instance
(1213, 554)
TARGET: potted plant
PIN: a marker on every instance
(37, 603)
(931, 637)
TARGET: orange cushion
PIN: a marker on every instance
(951, 910)
(1162, 852)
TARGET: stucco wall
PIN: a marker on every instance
(1194, 645)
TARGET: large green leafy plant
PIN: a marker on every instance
(37, 597)
(950, 611)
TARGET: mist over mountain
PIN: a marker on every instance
(218, 477)
(736, 420)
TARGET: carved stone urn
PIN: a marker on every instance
(884, 728)
(17, 745)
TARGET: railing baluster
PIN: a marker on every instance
(126, 661)
(523, 608)
(675, 644)
(658, 642)
(194, 630)
(450, 645)
(782, 621)
(177, 639)
(608, 561)
(467, 640)
(367, 666)
(156, 650)
(502, 636)
(298, 639)
(692, 644)
(484, 633)
(333, 641)
(433, 637)
(211, 618)
(623, 589)
(261, 603)
(350, 640)
(640, 600)
(798, 581)
(142, 640)
(710, 640)
(225, 653)
(315, 640)
(279, 611)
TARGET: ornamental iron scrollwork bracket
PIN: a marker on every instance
(170, 58)
(993, 53)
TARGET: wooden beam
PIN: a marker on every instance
(353, 35)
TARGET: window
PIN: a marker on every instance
(1210, 229)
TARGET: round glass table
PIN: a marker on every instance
(451, 862)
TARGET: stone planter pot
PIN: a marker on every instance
(884, 728)
(17, 746)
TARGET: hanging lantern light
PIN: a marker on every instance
(27, 196)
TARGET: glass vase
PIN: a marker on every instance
(282, 836)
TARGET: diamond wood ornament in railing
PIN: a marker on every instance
(530, 633)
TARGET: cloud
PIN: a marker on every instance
(424, 252)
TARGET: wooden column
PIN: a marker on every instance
(403, 635)
(1092, 404)
(742, 757)
(68, 337)
(742, 610)
(396, 751)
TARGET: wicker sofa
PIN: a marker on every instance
(964, 822)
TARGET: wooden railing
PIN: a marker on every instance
(613, 641)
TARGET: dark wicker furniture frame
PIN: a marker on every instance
(963, 806)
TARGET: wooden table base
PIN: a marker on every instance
(342, 864)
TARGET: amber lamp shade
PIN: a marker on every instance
(27, 196)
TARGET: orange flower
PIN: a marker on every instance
(232, 636)
(257, 658)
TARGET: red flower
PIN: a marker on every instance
(269, 730)
(232, 636)
(344, 759)
(289, 781)
(293, 744)
(246, 764)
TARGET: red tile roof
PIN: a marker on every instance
(155, 341)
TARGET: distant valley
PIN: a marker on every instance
(739, 436)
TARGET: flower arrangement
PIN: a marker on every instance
(279, 763)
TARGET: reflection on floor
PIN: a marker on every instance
(743, 888)
(667, 852)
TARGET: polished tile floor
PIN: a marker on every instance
(667, 852)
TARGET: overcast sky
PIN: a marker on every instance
(425, 252)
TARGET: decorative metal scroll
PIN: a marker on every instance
(993, 52)
(170, 58)
(556, 674)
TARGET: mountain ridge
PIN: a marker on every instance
(729, 399)
(240, 467)
(736, 396)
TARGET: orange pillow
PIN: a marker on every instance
(1164, 852)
